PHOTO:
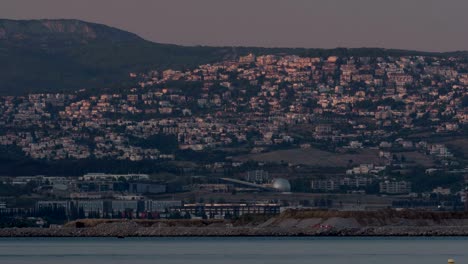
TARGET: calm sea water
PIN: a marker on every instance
(233, 250)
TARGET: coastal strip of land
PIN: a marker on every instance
(289, 223)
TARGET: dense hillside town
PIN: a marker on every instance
(258, 101)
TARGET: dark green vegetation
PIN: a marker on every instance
(59, 55)
(14, 163)
(424, 182)
(26, 166)
(165, 143)
(67, 55)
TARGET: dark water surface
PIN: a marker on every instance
(233, 250)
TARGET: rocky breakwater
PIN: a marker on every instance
(374, 223)
(289, 223)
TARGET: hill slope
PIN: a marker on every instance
(61, 55)
(56, 55)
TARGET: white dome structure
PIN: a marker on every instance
(281, 185)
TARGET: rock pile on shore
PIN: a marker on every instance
(289, 223)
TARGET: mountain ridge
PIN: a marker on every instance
(20, 30)
(56, 55)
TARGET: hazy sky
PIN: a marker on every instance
(430, 25)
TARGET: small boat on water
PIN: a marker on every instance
(120, 237)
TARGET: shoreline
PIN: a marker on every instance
(236, 232)
(291, 223)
